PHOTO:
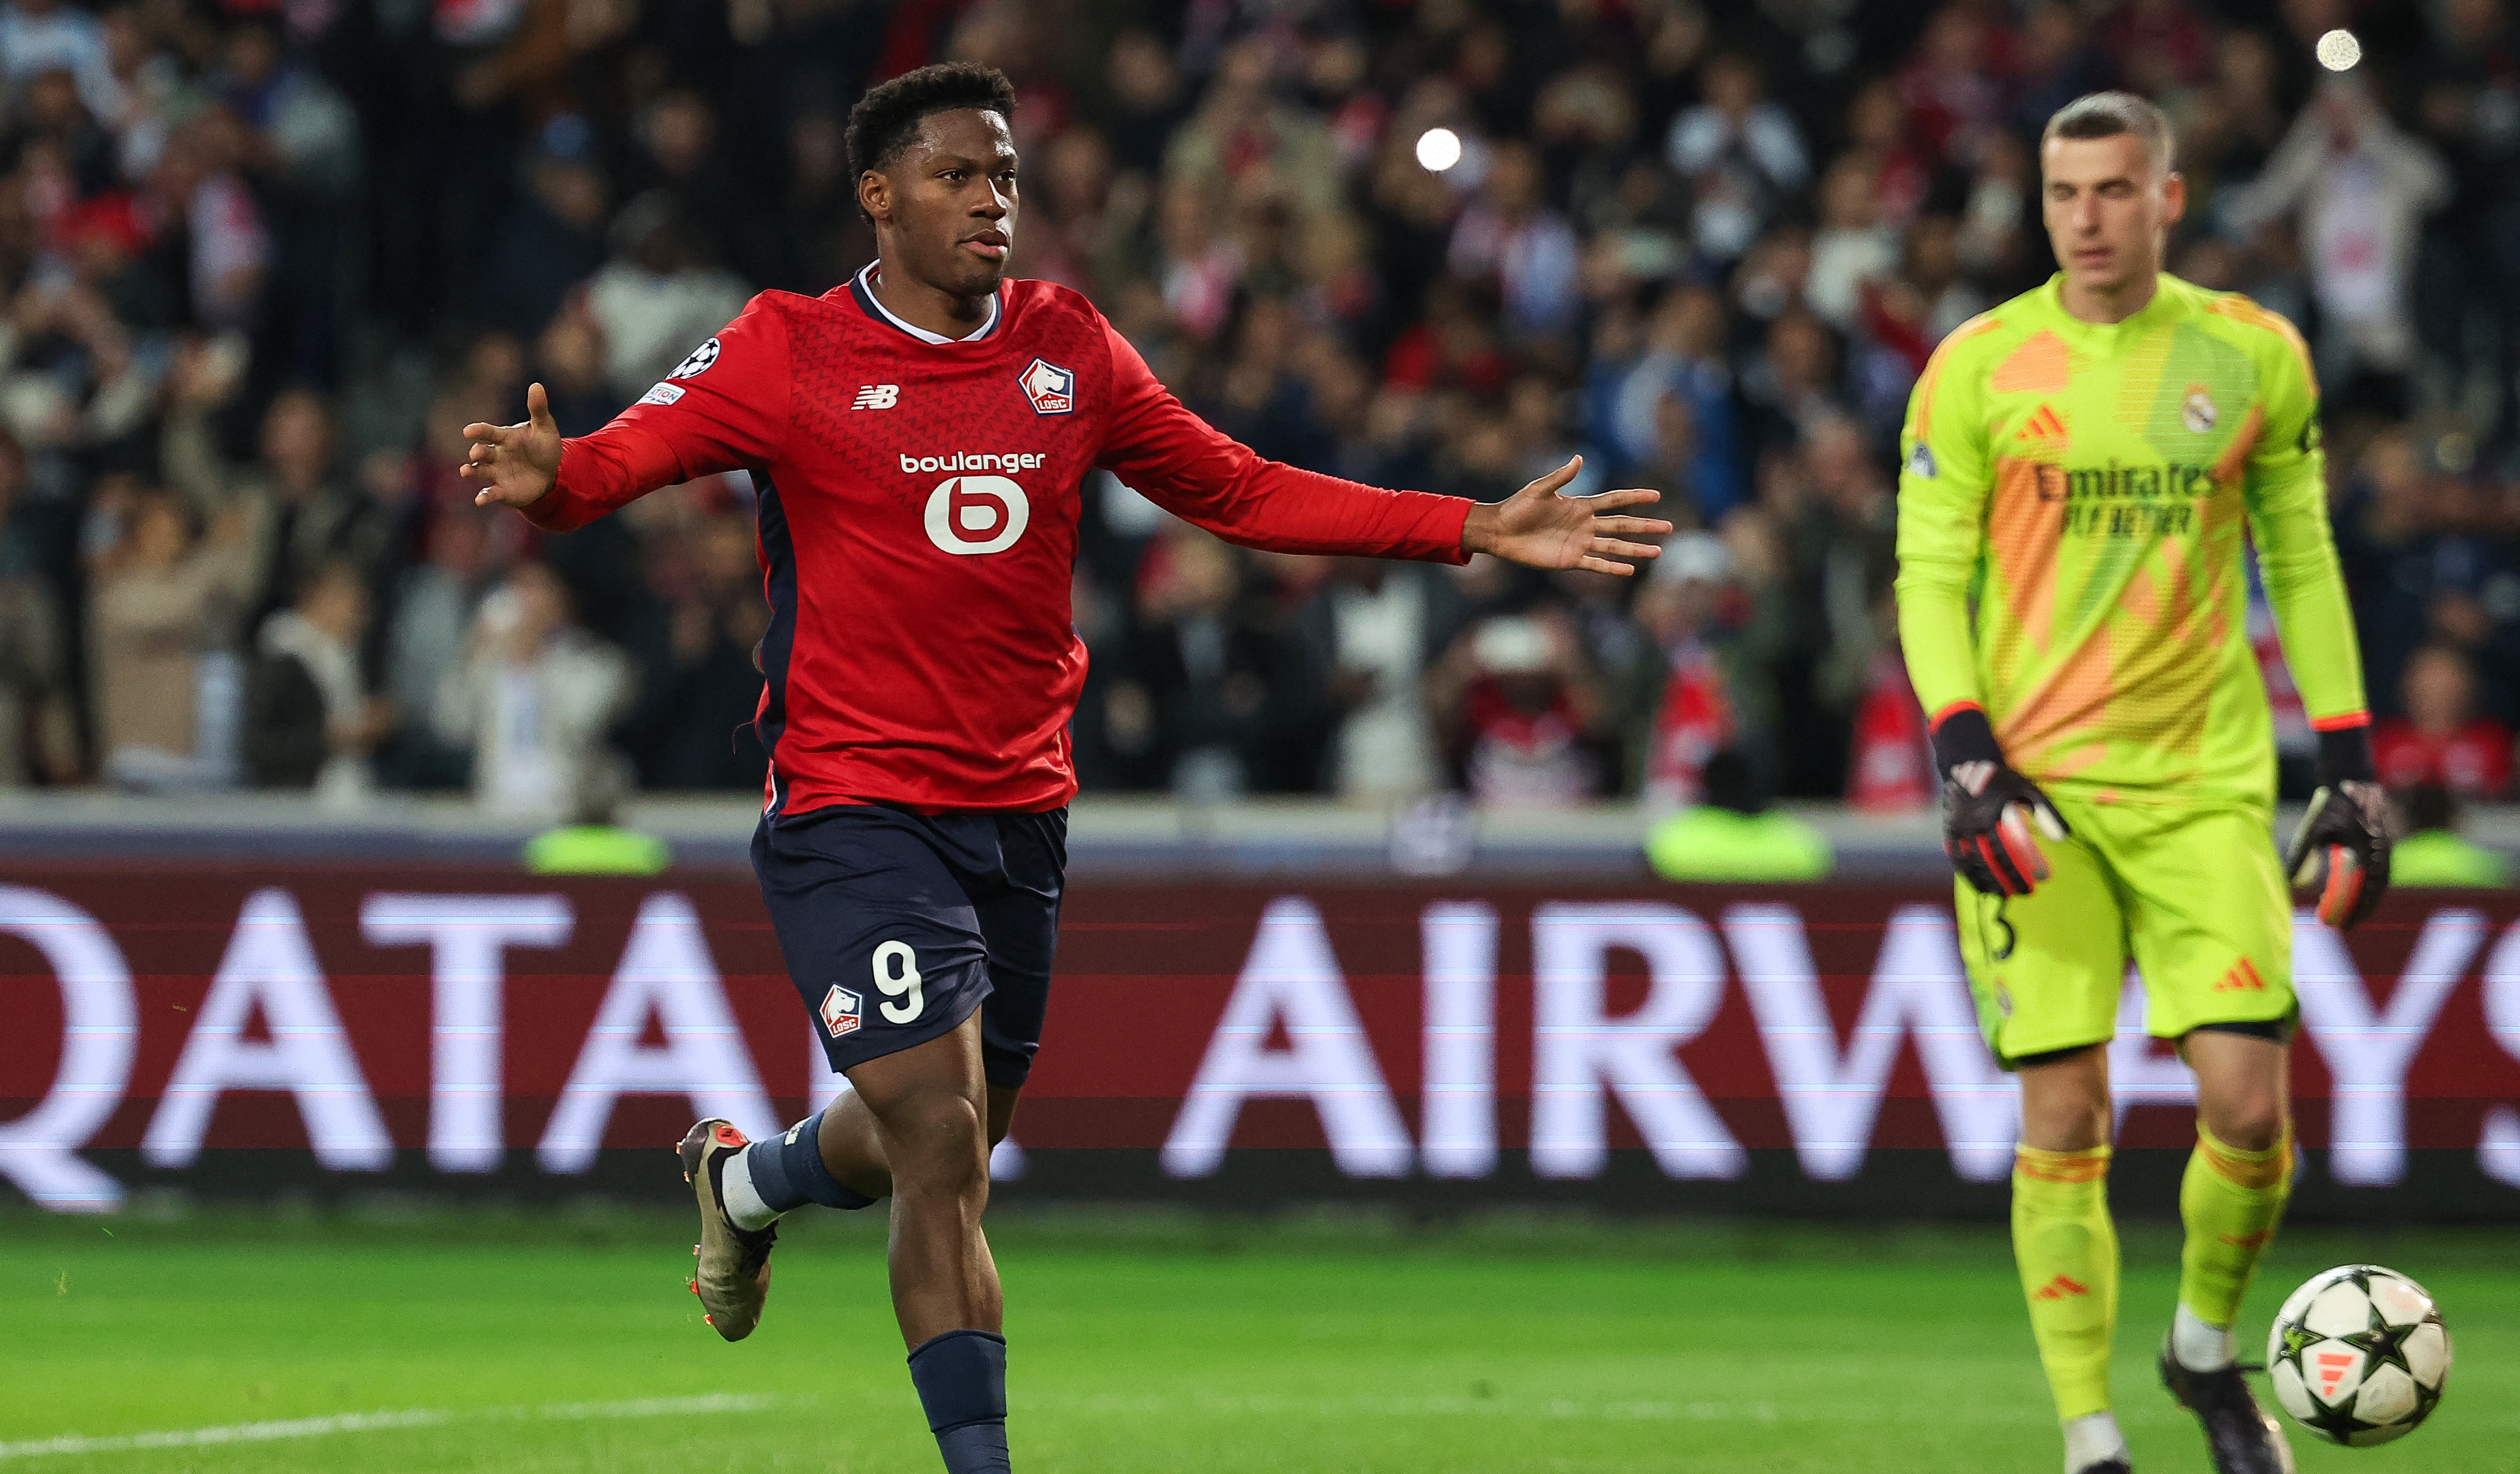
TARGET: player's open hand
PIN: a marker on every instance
(513, 465)
(1541, 529)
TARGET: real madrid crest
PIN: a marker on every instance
(2198, 413)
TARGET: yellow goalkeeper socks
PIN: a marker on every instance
(2068, 1253)
(2229, 1201)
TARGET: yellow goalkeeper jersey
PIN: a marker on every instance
(2073, 501)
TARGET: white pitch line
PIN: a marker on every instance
(1619, 1411)
(364, 1423)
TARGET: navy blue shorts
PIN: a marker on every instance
(896, 926)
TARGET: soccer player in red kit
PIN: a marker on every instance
(918, 438)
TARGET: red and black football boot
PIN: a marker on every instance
(734, 1275)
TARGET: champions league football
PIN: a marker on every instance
(2360, 1355)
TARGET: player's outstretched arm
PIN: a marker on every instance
(1541, 529)
(1198, 473)
(514, 465)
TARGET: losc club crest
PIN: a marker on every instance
(839, 1010)
(1050, 388)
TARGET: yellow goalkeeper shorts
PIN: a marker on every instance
(2195, 897)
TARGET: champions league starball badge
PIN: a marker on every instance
(698, 363)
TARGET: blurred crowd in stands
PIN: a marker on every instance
(261, 259)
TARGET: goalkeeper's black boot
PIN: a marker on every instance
(2242, 1437)
(2108, 1466)
(733, 1272)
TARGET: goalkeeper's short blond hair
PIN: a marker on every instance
(2112, 115)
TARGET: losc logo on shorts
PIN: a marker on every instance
(971, 515)
(839, 1010)
(1050, 388)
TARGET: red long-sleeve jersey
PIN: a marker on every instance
(918, 504)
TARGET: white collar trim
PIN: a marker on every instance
(989, 325)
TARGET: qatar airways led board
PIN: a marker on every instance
(1665, 1050)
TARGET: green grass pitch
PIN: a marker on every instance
(568, 1342)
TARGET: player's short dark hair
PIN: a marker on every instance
(2116, 115)
(888, 117)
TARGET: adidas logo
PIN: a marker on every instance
(2242, 978)
(2333, 1367)
(2044, 424)
(2062, 1287)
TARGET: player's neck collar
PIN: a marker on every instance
(2163, 303)
(862, 286)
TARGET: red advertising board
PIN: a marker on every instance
(1801, 1047)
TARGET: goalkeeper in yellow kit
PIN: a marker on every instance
(2082, 468)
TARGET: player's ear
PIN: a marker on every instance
(2174, 197)
(875, 195)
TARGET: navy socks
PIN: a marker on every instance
(787, 1171)
(962, 1381)
(961, 1374)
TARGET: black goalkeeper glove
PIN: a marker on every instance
(1989, 810)
(2342, 846)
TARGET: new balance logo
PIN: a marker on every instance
(877, 396)
(2062, 1287)
(2044, 424)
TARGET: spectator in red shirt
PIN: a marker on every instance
(1521, 714)
(1954, 86)
(2440, 739)
(2159, 46)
